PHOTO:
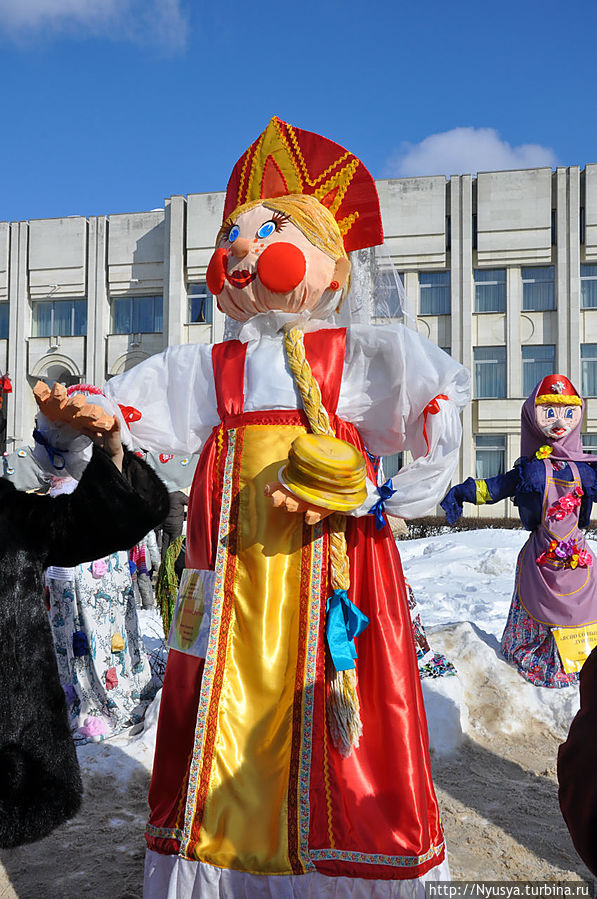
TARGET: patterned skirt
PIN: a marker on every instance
(102, 663)
(532, 648)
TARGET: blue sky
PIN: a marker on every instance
(112, 105)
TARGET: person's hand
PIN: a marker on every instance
(283, 499)
(109, 441)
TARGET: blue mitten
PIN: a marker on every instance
(454, 498)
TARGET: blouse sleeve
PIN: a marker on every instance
(403, 393)
(175, 394)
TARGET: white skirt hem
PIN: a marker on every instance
(171, 877)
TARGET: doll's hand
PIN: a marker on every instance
(109, 441)
(73, 410)
(284, 499)
(452, 504)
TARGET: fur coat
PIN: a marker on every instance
(40, 781)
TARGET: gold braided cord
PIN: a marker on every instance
(306, 383)
(344, 720)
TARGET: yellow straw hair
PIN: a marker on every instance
(306, 212)
(554, 399)
(342, 702)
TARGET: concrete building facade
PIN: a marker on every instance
(500, 270)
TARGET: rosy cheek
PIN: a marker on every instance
(216, 272)
(281, 267)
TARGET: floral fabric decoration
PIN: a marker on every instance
(566, 553)
(566, 504)
(544, 451)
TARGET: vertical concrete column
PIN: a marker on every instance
(573, 335)
(98, 304)
(411, 289)
(513, 332)
(175, 289)
(562, 273)
(461, 324)
(21, 404)
(218, 324)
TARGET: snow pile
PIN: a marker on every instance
(463, 583)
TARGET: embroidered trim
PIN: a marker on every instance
(164, 833)
(317, 542)
(212, 648)
(368, 858)
(298, 710)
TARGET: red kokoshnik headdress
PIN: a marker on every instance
(287, 160)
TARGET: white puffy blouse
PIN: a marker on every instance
(390, 376)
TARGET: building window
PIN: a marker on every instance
(200, 304)
(3, 321)
(435, 293)
(490, 371)
(391, 465)
(588, 365)
(589, 443)
(537, 362)
(490, 290)
(490, 455)
(588, 286)
(59, 318)
(137, 315)
(538, 292)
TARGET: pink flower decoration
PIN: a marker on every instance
(99, 568)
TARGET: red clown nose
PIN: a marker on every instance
(281, 267)
(216, 272)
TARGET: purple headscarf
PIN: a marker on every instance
(567, 448)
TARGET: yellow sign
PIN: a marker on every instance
(575, 645)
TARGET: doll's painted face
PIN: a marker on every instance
(265, 262)
(557, 420)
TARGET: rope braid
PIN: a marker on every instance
(344, 719)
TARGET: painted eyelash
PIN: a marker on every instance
(279, 219)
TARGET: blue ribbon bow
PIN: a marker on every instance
(52, 452)
(385, 492)
(344, 621)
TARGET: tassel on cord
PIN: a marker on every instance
(342, 700)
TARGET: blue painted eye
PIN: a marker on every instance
(550, 413)
(233, 233)
(568, 413)
(266, 229)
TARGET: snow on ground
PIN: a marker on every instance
(463, 583)
(494, 741)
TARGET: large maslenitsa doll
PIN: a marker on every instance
(548, 634)
(285, 765)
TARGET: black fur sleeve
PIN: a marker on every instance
(108, 511)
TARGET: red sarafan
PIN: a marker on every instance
(216, 271)
(281, 267)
